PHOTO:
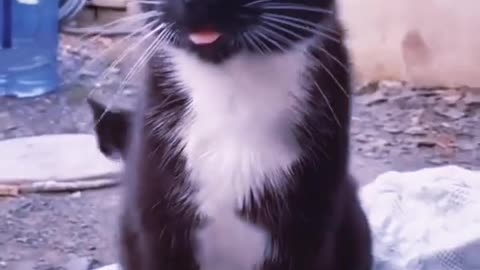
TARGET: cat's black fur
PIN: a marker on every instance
(317, 225)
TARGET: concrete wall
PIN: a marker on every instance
(427, 42)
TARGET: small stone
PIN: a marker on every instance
(451, 112)
(452, 97)
(87, 73)
(372, 99)
(393, 129)
(379, 143)
(6, 123)
(110, 267)
(416, 130)
(426, 143)
(23, 265)
(466, 145)
(370, 154)
(76, 195)
(472, 98)
(367, 88)
(436, 161)
(78, 263)
(129, 92)
(390, 84)
(363, 138)
(356, 119)
(416, 116)
(114, 70)
(9, 190)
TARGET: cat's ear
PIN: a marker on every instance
(97, 109)
(111, 128)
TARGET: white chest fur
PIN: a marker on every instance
(238, 139)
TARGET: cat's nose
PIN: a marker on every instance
(195, 3)
(203, 4)
(199, 13)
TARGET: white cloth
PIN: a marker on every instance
(423, 220)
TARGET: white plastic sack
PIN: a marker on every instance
(427, 219)
(423, 220)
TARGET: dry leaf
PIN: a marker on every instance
(9, 191)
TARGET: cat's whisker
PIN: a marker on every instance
(299, 21)
(274, 22)
(257, 2)
(260, 42)
(275, 33)
(268, 34)
(119, 42)
(272, 18)
(129, 20)
(271, 30)
(127, 51)
(282, 29)
(147, 55)
(327, 70)
(283, 6)
(326, 52)
(90, 65)
(149, 52)
(249, 41)
(328, 103)
(94, 33)
(148, 2)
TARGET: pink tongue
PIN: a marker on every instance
(202, 38)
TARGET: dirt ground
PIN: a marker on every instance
(394, 126)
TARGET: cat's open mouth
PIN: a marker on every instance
(206, 37)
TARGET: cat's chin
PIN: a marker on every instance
(215, 53)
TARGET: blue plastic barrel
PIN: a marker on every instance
(28, 47)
